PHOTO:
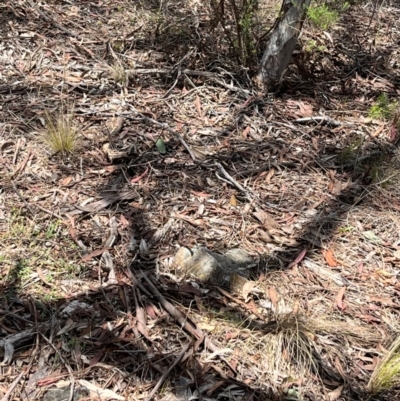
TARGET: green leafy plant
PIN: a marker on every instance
(383, 109)
(322, 16)
(60, 134)
(312, 46)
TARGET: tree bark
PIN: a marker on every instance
(282, 42)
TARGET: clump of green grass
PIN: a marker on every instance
(387, 373)
(60, 134)
(383, 109)
(350, 153)
(322, 16)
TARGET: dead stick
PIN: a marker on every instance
(181, 319)
(234, 182)
(23, 199)
(134, 279)
(12, 387)
(166, 373)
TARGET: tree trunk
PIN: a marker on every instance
(282, 41)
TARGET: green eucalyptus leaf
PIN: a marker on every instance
(161, 146)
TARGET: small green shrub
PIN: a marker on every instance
(311, 46)
(119, 74)
(322, 16)
(383, 109)
(350, 153)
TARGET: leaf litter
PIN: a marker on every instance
(174, 154)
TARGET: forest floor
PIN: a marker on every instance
(176, 147)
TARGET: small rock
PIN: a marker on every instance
(215, 268)
(62, 394)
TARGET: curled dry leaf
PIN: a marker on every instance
(339, 298)
(335, 394)
(299, 258)
(330, 258)
(266, 220)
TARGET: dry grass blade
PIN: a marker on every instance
(289, 346)
(60, 133)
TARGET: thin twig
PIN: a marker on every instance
(12, 387)
(23, 199)
(166, 373)
(56, 24)
(182, 320)
(71, 373)
(321, 119)
(234, 182)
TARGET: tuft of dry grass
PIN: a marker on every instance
(60, 134)
(291, 346)
(119, 74)
(386, 375)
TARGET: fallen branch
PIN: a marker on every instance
(320, 120)
(193, 73)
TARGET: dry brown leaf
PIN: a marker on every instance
(273, 296)
(269, 176)
(299, 258)
(151, 310)
(305, 109)
(124, 222)
(139, 177)
(246, 131)
(65, 181)
(95, 253)
(43, 278)
(141, 321)
(335, 394)
(264, 236)
(393, 133)
(378, 130)
(266, 219)
(247, 288)
(233, 201)
(198, 106)
(339, 298)
(330, 258)
(201, 194)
